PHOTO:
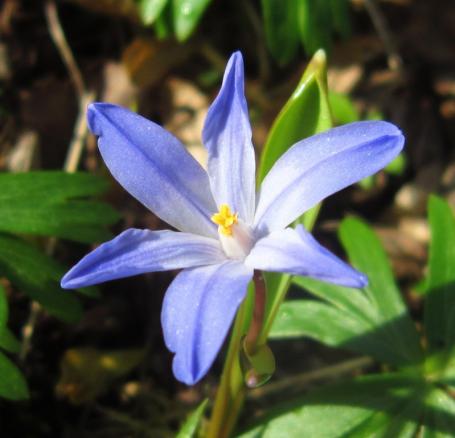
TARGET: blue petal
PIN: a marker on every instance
(318, 166)
(198, 310)
(297, 252)
(137, 251)
(154, 167)
(227, 136)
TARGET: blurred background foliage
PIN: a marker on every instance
(86, 366)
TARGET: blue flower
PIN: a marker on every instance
(226, 229)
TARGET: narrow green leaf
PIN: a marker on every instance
(346, 409)
(440, 283)
(3, 309)
(281, 31)
(149, 10)
(38, 276)
(306, 113)
(8, 341)
(340, 17)
(189, 428)
(49, 186)
(186, 16)
(49, 204)
(12, 383)
(367, 255)
(315, 24)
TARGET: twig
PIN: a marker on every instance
(299, 381)
(75, 148)
(380, 23)
(58, 36)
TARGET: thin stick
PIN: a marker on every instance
(380, 23)
(75, 148)
(58, 36)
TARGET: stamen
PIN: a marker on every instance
(225, 220)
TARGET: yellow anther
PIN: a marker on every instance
(225, 220)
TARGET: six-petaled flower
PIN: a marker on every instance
(226, 229)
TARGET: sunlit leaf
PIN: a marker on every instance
(189, 428)
(360, 407)
(149, 10)
(343, 109)
(12, 383)
(366, 253)
(38, 276)
(186, 16)
(440, 283)
(306, 113)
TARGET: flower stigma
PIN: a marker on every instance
(236, 236)
(225, 220)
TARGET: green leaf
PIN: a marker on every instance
(49, 204)
(306, 113)
(38, 276)
(394, 323)
(315, 25)
(355, 408)
(12, 383)
(149, 10)
(440, 283)
(397, 165)
(3, 309)
(189, 428)
(340, 17)
(281, 31)
(186, 16)
(343, 110)
(439, 420)
(8, 341)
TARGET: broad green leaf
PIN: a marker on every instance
(354, 408)
(315, 24)
(306, 113)
(343, 110)
(149, 10)
(3, 309)
(12, 382)
(347, 299)
(365, 252)
(281, 31)
(439, 419)
(8, 341)
(189, 428)
(186, 16)
(38, 276)
(50, 204)
(440, 283)
(333, 327)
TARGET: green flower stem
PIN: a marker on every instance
(231, 392)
